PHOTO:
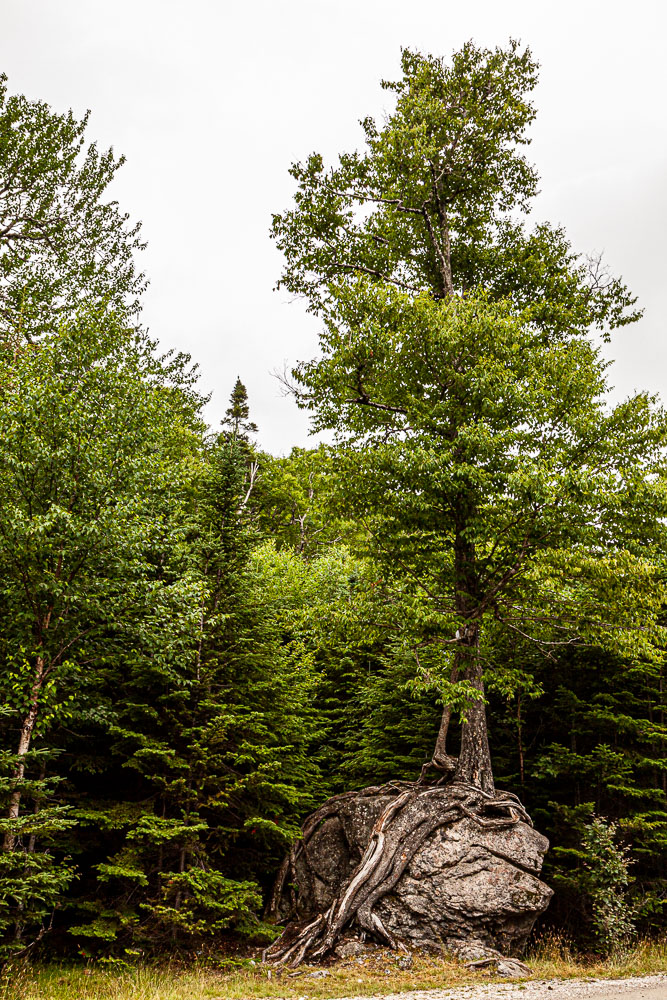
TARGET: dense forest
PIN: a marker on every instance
(201, 642)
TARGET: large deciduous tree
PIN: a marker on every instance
(63, 241)
(434, 202)
(457, 368)
(497, 491)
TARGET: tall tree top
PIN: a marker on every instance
(238, 412)
(63, 243)
(434, 201)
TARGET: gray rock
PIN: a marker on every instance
(350, 948)
(466, 883)
(513, 969)
(473, 882)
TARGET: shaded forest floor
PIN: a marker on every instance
(379, 973)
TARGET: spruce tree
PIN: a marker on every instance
(237, 414)
(216, 728)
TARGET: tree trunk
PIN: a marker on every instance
(32, 839)
(440, 752)
(519, 735)
(441, 759)
(25, 738)
(474, 763)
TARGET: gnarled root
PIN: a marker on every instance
(414, 812)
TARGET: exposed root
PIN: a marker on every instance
(442, 763)
(415, 812)
(312, 823)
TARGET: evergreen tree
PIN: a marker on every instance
(237, 414)
(593, 742)
(216, 730)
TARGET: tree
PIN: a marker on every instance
(291, 500)
(593, 741)
(237, 414)
(457, 370)
(206, 759)
(62, 244)
(434, 202)
(89, 420)
(488, 474)
(456, 365)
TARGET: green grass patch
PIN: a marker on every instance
(375, 974)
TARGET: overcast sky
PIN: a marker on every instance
(211, 101)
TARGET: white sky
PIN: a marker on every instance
(211, 101)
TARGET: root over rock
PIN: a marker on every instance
(409, 864)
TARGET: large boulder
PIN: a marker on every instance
(467, 883)
(473, 880)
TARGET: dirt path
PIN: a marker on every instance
(639, 988)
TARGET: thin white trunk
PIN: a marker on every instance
(25, 739)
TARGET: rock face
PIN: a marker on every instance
(473, 881)
(466, 883)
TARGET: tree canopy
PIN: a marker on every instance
(435, 202)
(63, 242)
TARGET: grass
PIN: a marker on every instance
(379, 973)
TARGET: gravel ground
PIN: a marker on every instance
(636, 988)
